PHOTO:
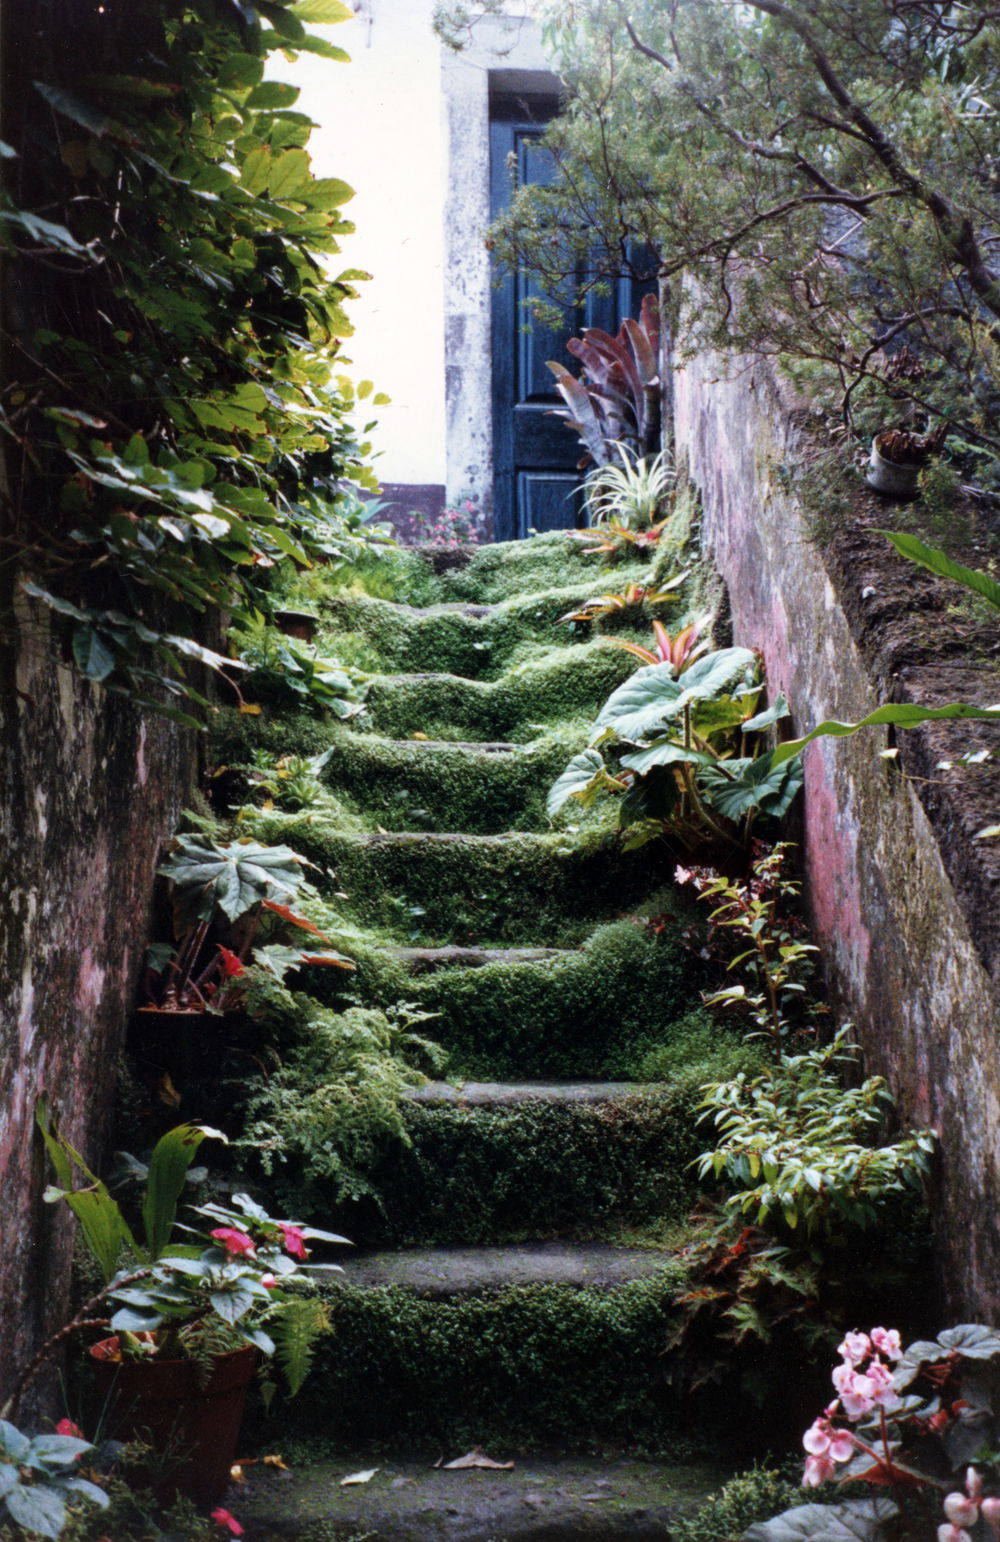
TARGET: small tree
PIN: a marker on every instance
(828, 176)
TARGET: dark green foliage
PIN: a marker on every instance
(533, 1364)
(175, 401)
(749, 1497)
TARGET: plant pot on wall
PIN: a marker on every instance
(171, 1405)
(894, 479)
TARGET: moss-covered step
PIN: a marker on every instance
(596, 1010)
(567, 681)
(430, 888)
(420, 784)
(444, 1349)
(478, 642)
(533, 1500)
(490, 1162)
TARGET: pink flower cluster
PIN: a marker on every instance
(864, 1381)
(965, 1510)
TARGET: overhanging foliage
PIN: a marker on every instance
(174, 420)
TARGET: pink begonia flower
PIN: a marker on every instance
(960, 1510)
(818, 1469)
(948, 1533)
(268, 1281)
(294, 1239)
(235, 1242)
(887, 1342)
(855, 1391)
(223, 1518)
(67, 1427)
(855, 1348)
(823, 1439)
(974, 1484)
(990, 1512)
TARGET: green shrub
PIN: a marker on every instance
(751, 1496)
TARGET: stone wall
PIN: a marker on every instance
(903, 899)
(90, 791)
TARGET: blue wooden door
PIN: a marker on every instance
(537, 475)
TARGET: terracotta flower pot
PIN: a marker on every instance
(167, 1404)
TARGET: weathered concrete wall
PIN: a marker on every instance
(904, 902)
(88, 791)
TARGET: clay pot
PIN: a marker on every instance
(892, 479)
(169, 1405)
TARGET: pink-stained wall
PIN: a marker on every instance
(903, 899)
(89, 790)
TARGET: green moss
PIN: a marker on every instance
(412, 785)
(514, 889)
(477, 1175)
(381, 636)
(535, 1364)
(554, 683)
(592, 1012)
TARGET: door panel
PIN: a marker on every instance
(536, 457)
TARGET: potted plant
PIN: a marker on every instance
(191, 1319)
(898, 456)
(232, 884)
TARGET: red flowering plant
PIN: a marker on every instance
(917, 1429)
(233, 886)
(241, 1282)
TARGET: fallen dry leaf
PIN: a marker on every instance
(477, 1458)
(359, 1477)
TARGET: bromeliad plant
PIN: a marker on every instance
(633, 597)
(674, 742)
(919, 1427)
(629, 492)
(238, 883)
(616, 410)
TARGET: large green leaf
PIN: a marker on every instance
(734, 787)
(937, 562)
(857, 1520)
(230, 876)
(37, 1509)
(651, 698)
(664, 752)
(899, 715)
(168, 1167)
(585, 773)
(104, 1228)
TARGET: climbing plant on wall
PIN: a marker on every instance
(175, 420)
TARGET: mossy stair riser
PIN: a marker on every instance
(516, 888)
(535, 1169)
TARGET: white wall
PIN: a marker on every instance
(380, 129)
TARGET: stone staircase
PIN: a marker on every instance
(516, 1261)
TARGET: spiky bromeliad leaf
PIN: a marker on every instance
(651, 698)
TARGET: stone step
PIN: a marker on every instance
(514, 889)
(462, 1271)
(492, 1163)
(535, 1499)
(440, 785)
(530, 1014)
(581, 1094)
(462, 638)
(424, 960)
(570, 678)
(441, 1349)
